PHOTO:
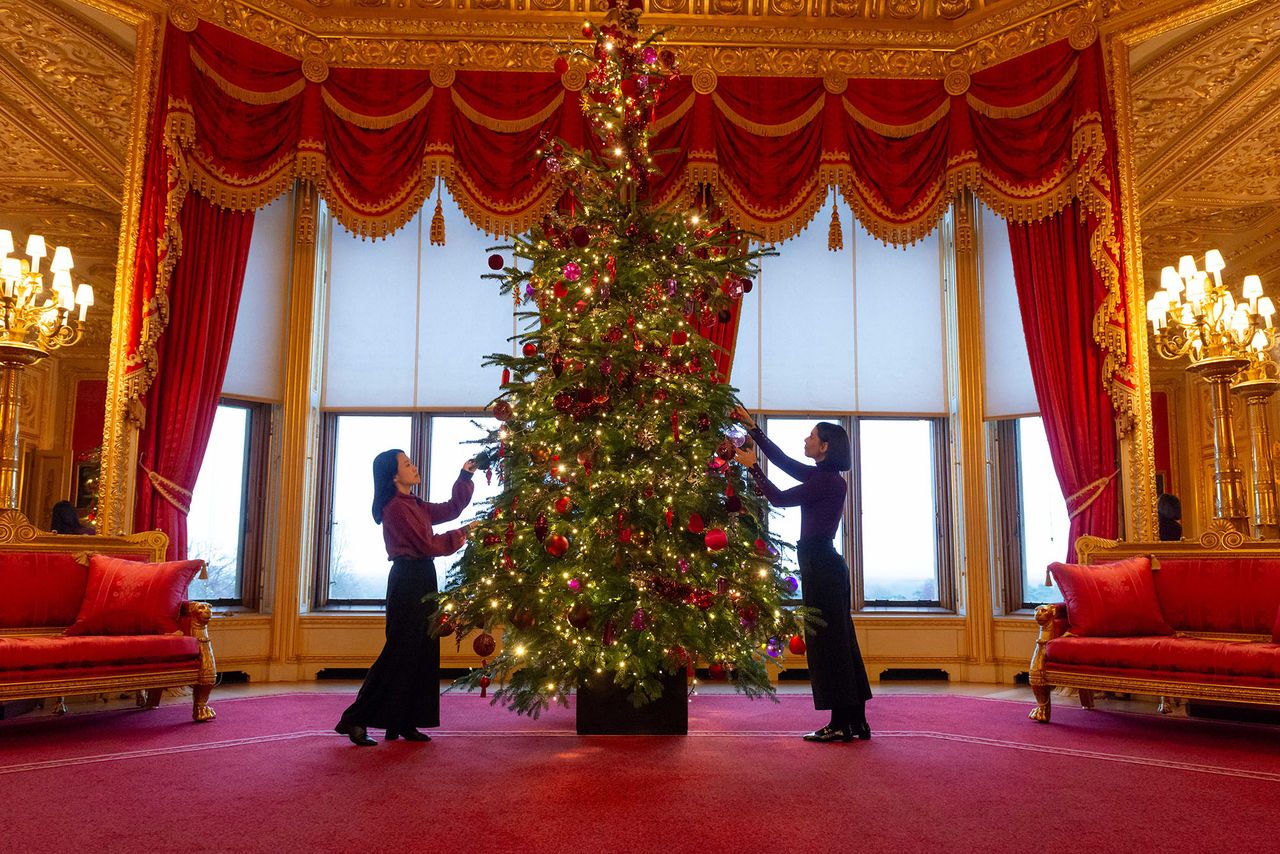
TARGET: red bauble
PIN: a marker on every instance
(579, 615)
(696, 525)
(563, 503)
(716, 539)
(557, 365)
(587, 32)
(716, 672)
(540, 527)
(668, 516)
(580, 236)
(502, 411)
(523, 618)
(561, 290)
(796, 645)
(530, 350)
(495, 262)
(557, 545)
(679, 337)
(484, 645)
(762, 548)
(561, 65)
(446, 626)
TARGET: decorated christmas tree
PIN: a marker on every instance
(625, 540)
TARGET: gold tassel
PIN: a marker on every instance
(835, 237)
(437, 224)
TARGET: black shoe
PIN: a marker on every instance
(864, 732)
(359, 735)
(409, 734)
(831, 733)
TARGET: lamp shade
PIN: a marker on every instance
(11, 269)
(1252, 287)
(1170, 280)
(35, 246)
(6, 241)
(1187, 267)
(1213, 262)
(61, 260)
(84, 295)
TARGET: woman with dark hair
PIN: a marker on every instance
(1169, 514)
(836, 671)
(65, 520)
(402, 690)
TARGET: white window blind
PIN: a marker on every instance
(410, 323)
(256, 363)
(1007, 368)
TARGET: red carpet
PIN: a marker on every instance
(941, 773)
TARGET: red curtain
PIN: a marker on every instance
(1059, 290)
(239, 122)
(192, 356)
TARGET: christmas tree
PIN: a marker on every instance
(626, 540)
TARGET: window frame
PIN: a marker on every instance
(419, 450)
(1005, 438)
(853, 534)
(251, 552)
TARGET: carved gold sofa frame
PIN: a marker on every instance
(1220, 541)
(17, 534)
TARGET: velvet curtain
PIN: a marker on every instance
(1058, 292)
(183, 398)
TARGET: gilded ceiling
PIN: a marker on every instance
(1206, 97)
(1206, 143)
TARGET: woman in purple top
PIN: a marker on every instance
(402, 690)
(836, 671)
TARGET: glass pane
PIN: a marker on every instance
(451, 446)
(357, 556)
(788, 434)
(214, 525)
(899, 530)
(1045, 524)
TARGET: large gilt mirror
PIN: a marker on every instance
(65, 110)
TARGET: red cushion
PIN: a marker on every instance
(1230, 594)
(124, 597)
(42, 677)
(1110, 599)
(1168, 655)
(39, 589)
(94, 650)
(1275, 630)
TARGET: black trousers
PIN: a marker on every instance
(836, 671)
(402, 689)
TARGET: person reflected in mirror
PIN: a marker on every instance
(65, 520)
(837, 673)
(402, 690)
(1169, 513)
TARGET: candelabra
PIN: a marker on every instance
(36, 318)
(1228, 343)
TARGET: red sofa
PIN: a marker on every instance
(43, 579)
(1219, 601)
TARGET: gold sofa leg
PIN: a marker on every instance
(201, 613)
(1043, 709)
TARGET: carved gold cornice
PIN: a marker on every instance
(821, 37)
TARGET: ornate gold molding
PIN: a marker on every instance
(777, 38)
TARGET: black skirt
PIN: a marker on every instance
(836, 671)
(402, 689)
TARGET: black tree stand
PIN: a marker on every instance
(606, 709)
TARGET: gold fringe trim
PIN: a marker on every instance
(507, 125)
(1022, 110)
(897, 131)
(368, 122)
(674, 116)
(437, 224)
(169, 491)
(835, 236)
(247, 95)
(760, 129)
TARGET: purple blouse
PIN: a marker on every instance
(407, 521)
(820, 495)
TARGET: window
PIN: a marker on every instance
(1032, 515)
(899, 552)
(352, 556)
(224, 525)
(900, 512)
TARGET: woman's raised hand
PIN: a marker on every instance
(469, 465)
(740, 413)
(746, 457)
